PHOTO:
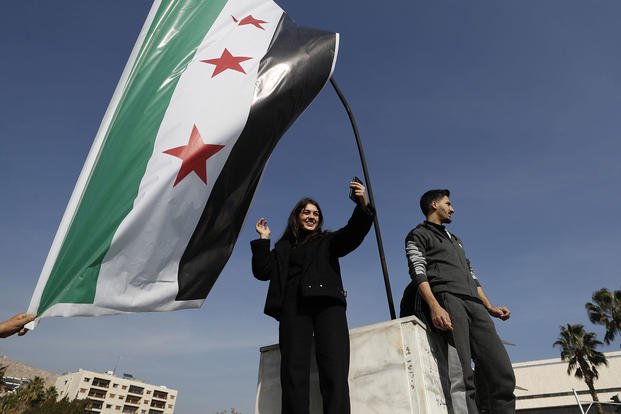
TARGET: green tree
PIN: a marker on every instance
(28, 397)
(9, 404)
(2, 372)
(63, 406)
(606, 310)
(578, 349)
(50, 394)
(32, 394)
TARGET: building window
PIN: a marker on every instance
(95, 405)
(101, 383)
(95, 393)
(124, 387)
(134, 389)
(115, 385)
(148, 391)
(158, 404)
(160, 394)
(108, 405)
(82, 390)
(86, 379)
(132, 399)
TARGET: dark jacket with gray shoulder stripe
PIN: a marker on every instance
(321, 273)
(439, 259)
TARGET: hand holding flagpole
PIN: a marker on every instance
(378, 236)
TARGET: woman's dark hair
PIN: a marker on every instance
(293, 233)
(431, 196)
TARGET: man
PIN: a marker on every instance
(15, 325)
(457, 305)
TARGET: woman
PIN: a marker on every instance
(306, 296)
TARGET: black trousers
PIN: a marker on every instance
(474, 337)
(300, 318)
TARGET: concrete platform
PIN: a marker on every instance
(393, 370)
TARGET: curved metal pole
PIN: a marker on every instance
(378, 235)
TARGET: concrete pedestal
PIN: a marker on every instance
(393, 370)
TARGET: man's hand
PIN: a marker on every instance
(441, 318)
(501, 312)
(15, 325)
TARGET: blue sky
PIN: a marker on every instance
(511, 105)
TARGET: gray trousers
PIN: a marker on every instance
(474, 338)
(451, 377)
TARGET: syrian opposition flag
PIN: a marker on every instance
(208, 91)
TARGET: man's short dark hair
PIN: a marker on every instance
(429, 197)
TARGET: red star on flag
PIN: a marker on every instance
(250, 20)
(194, 156)
(226, 61)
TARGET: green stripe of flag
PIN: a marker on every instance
(113, 184)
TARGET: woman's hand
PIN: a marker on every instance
(262, 228)
(360, 192)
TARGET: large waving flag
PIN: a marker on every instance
(208, 91)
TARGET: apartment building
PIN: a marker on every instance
(109, 394)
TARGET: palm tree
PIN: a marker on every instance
(2, 372)
(606, 310)
(63, 406)
(578, 349)
(33, 397)
(33, 393)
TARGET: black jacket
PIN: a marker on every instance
(435, 257)
(321, 274)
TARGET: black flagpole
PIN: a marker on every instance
(378, 235)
